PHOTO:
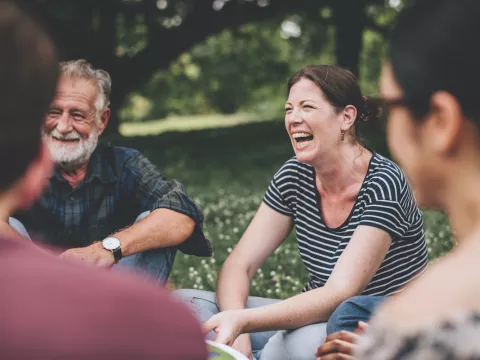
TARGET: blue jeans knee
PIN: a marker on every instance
(351, 311)
(156, 263)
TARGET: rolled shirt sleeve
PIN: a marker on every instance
(151, 190)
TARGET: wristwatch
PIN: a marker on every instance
(113, 244)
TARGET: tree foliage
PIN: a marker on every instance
(133, 39)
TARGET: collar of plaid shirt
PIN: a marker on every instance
(98, 167)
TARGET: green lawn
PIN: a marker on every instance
(188, 123)
(227, 170)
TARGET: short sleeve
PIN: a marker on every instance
(282, 189)
(273, 198)
(390, 206)
(151, 190)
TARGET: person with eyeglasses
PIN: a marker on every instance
(430, 82)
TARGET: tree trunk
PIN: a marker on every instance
(117, 98)
(350, 21)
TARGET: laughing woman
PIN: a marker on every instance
(358, 229)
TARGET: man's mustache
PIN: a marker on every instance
(73, 135)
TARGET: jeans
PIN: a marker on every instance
(298, 344)
(351, 311)
(156, 263)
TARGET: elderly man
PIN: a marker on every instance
(51, 308)
(107, 204)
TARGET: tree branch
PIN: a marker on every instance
(71, 32)
(106, 34)
(203, 21)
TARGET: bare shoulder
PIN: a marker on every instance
(449, 286)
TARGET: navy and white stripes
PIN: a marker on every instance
(385, 201)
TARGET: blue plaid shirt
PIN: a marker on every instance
(120, 184)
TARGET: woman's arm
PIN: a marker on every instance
(265, 233)
(354, 269)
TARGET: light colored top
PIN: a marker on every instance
(457, 338)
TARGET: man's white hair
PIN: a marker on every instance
(82, 69)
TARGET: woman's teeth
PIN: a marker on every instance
(302, 137)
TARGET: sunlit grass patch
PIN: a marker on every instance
(187, 123)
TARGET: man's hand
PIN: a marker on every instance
(243, 345)
(94, 254)
(340, 345)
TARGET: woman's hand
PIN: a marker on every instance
(227, 324)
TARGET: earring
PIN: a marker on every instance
(342, 136)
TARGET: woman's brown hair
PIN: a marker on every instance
(340, 88)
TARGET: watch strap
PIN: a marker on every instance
(117, 254)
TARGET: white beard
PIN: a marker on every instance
(70, 157)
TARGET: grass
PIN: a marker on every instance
(227, 171)
(188, 123)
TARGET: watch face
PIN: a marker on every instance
(111, 243)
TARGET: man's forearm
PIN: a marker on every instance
(161, 228)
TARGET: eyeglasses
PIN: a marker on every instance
(389, 103)
(386, 105)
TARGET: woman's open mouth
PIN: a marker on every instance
(302, 139)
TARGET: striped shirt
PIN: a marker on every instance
(385, 201)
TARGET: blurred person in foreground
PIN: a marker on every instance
(358, 228)
(52, 308)
(106, 204)
(430, 85)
